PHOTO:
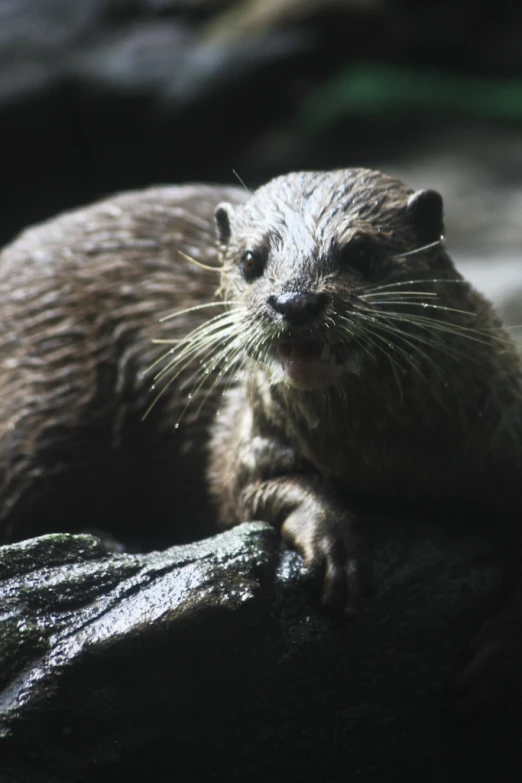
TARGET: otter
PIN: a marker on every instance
(376, 370)
(314, 337)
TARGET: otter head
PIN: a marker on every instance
(307, 259)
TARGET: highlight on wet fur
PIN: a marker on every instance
(402, 322)
(310, 334)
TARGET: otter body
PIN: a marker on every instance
(81, 299)
(350, 358)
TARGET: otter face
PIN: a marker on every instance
(308, 260)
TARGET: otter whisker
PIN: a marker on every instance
(206, 326)
(220, 356)
(217, 351)
(205, 330)
(361, 338)
(240, 357)
(426, 305)
(434, 341)
(386, 337)
(377, 324)
(410, 361)
(197, 341)
(256, 343)
(400, 283)
(198, 263)
(377, 337)
(455, 328)
(235, 348)
(157, 399)
(210, 327)
(413, 294)
(180, 367)
(177, 313)
(419, 340)
(258, 351)
(184, 358)
(241, 182)
(237, 351)
(384, 317)
(448, 327)
(393, 363)
(419, 249)
(405, 337)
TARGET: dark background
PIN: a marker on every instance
(98, 96)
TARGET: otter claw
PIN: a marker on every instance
(342, 588)
(333, 551)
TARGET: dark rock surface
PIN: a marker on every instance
(212, 661)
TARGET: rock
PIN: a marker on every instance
(212, 661)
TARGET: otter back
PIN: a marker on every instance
(80, 301)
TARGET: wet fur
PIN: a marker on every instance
(425, 413)
(432, 415)
(80, 301)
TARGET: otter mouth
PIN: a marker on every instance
(308, 364)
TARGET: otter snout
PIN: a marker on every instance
(298, 308)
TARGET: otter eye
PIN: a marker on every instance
(252, 265)
(358, 255)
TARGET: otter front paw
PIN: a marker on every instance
(333, 551)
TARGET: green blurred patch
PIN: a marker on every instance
(369, 89)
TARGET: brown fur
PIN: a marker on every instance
(80, 301)
(430, 418)
(433, 417)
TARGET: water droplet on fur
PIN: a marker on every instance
(153, 387)
(176, 426)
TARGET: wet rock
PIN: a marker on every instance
(213, 661)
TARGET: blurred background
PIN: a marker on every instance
(98, 96)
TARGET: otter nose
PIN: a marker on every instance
(298, 308)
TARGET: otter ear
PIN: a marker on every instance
(223, 215)
(425, 209)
